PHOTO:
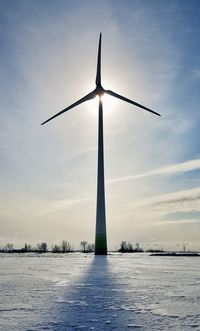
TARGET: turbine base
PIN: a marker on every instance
(101, 245)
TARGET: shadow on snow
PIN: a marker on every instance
(94, 302)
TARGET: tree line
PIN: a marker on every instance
(66, 247)
(63, 247)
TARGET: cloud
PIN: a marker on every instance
(180, 201)
(58, 205)
(175, 222)
(187, 200)
(161, 207)
(172, 169)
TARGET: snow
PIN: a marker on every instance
(83, 292)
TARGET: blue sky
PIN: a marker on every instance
(150, 53)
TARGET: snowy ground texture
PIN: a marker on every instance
(83, 292)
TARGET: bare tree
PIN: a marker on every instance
(9, 247)
(27, 248)
(138, 249)
(83, 245)
(42, 247)
(123, 247)
(68, 247)
(56, 248)
(129, 247)
(89, 248)
(65, 246)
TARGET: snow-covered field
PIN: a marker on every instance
(83, 292)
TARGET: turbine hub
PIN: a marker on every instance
(100, 90)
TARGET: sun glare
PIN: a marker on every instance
(109, 104)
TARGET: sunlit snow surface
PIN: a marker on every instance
(83, 292)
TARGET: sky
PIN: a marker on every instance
(48, 174)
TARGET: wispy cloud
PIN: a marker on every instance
(175, 222)
(186, 201)
(171, 169)
(179, 201)
(59, 205)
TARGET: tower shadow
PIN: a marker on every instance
(87, 306)
(94, 302)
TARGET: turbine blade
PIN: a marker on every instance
(130, 101)
(98, 76)
(87, 97)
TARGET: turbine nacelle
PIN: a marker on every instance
(100, 90)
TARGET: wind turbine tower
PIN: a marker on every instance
(100, 237)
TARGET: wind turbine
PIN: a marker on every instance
(100, 237)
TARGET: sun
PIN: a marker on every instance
(109, 104)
